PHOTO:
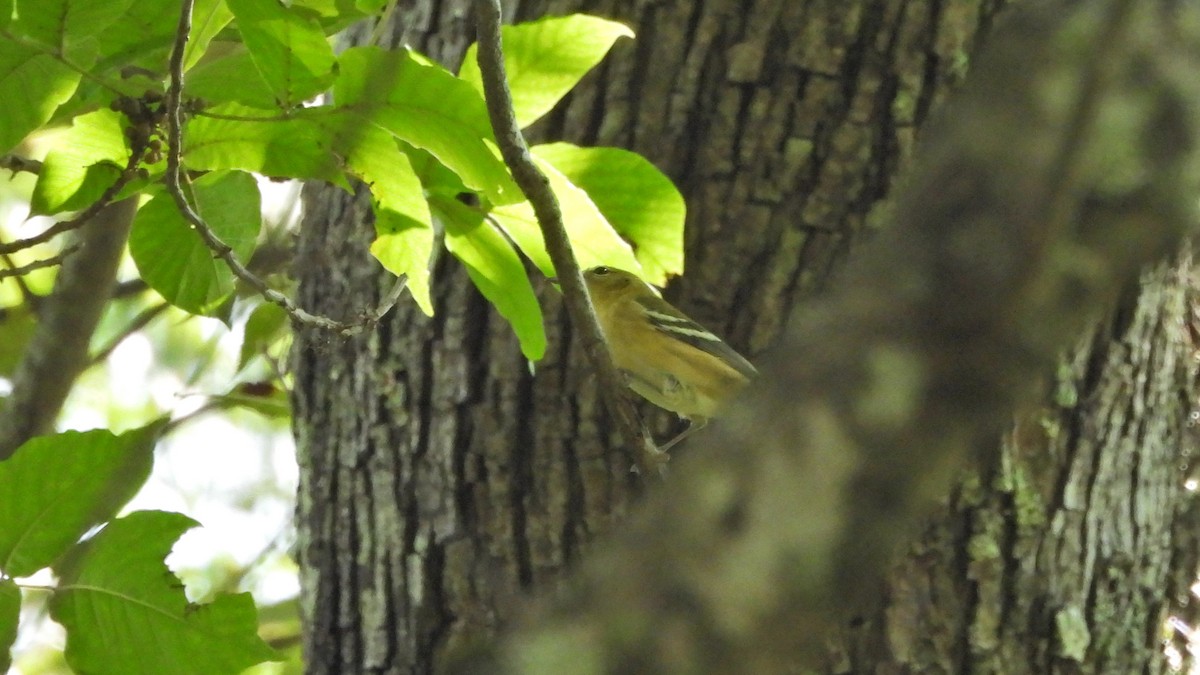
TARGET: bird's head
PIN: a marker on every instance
(610, 282)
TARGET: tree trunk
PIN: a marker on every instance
(440, 481)
(1071, 551)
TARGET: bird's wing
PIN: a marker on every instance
(675, 323)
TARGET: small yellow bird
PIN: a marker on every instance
(667, 358)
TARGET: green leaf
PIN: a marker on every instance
(17, 325)
(370, 7)
(324, 8)
(594, 241)
(55, 488)
(298, 147)
(172, 257)
(427, 107)
(338, 11)
(10, 616)
(263, 398)
(268, 323)
(496, 270)
(142, 37)
(545, 59)
(230, 79)
(32, 87)
(640, 202)
(75, 29)
(402, 218)
(125, 612)
(84, 161)
(290, 51)
(209, 17)
(435, 177)
(403, 247)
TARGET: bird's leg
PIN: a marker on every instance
(694, 424)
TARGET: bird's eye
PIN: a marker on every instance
(601, 271)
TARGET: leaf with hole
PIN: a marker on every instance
(125, 612)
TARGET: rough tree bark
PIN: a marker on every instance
(1066, 164)
(1070, 551)
(439, 480)
(57, 353)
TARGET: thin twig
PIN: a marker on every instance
(38, 264)
(219, 248)
(382, 23)
(139, 322)
(67, 319)
(1095, 82)
(126, 289)
(17, 164)
(18, 278)
(282, 117)
(536, 188)
(127, 174)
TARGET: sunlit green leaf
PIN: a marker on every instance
(268, 323)
(84, 161)
(209, 17)
(172, 257)
(291, 51)
(298, 147)
(329, 9)
(496, 270)
(545, 59)
(231, 78)
(435, 177)
(17, 324)
(141, 35)
(126, 613)
(73, 28)
(402, 221)
(404, 247)
(593, 240)
(32, 87)
(427, 107)
(637, 199)
(10, 616)
(370, 6)
(54, 488)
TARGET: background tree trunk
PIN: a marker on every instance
(1069, 552)
(439, 480)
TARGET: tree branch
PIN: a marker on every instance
(21, 270)
(138, 322)
(85, 216)
(536, 188)
(57, 352)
